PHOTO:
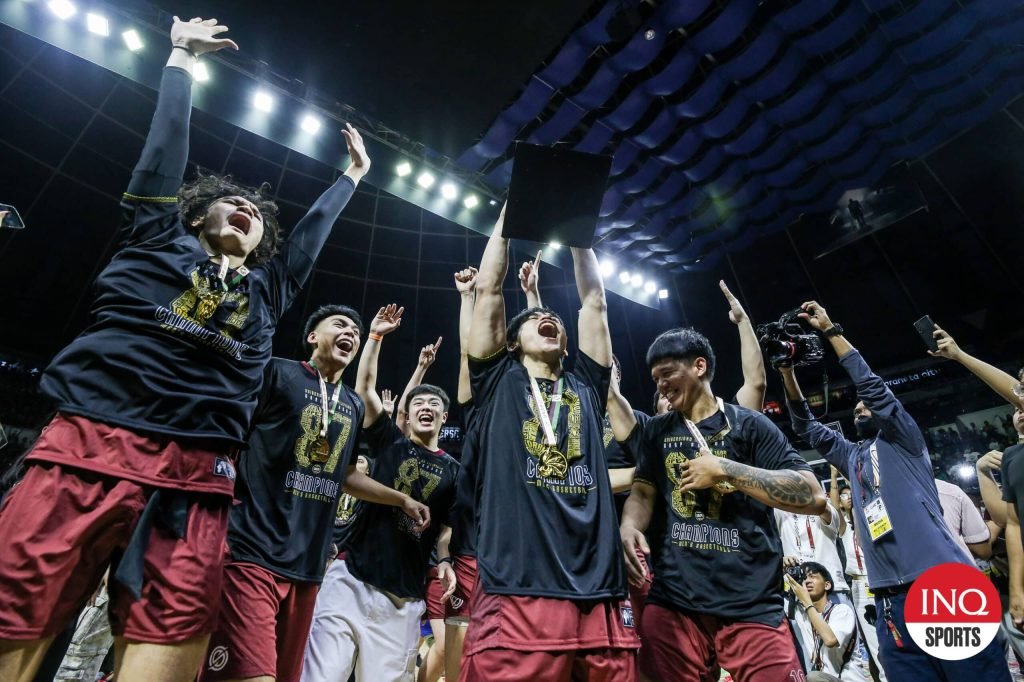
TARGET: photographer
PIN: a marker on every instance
(890, 474)
(826, 631)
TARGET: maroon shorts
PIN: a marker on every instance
(593, 665)
(678, 646)
(457, 608)
(59, 529)
(638, 596)
(435, 607)
(264, 623)
(595, 636)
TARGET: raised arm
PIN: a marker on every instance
(387, 320)
(999, 381)
(620, 412)
(833, 498)
(594, 339)
(487, 332)
(427, 356)
(465, 284)
(832, 446)
(303, 246)
(991, 494)
(529, 281)
(1015, 551)
(159, 171)
(751, 393)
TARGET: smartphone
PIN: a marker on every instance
(9, 217)
(926, 329)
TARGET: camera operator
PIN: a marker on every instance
(896, 508)
(825, 630)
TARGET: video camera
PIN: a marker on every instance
(786, 344)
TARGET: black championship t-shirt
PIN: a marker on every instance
(385, 550)
(1012, 476)
(169, 350)
(287, 493)
(463, 521)
(546, 519)
(715, 554)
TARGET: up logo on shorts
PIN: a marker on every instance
(218, 658)
(627, 616)
(456, 602)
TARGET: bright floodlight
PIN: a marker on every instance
(403, 169)
(662, 293)
(493, 202)
(636, 280)
(650, 287)
(471, 201)
(97, 24)
(607, 267)
(263, 101)
(965, 471)
(132, 40)
(624, 277)
(555, 246)
(449, 191)
(310, 124)
(425, 180)
(200, 72)
(62, 8)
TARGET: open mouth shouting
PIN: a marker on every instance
(548, 329)
(345, 344)
(425, 419)
(240, 221)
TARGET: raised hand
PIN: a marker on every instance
(387, 320)
(815, 315)
(360, 164)
(529, 273)
(948, 347)
(387, 399)
(429, 353)
(465, 280)
(199, 36)
(737, 315)
(799, 591)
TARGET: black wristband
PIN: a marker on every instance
(446, 560)
(182, 47)
(834, 330)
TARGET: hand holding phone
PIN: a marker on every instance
(926, 329)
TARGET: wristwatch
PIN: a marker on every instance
(834, 330)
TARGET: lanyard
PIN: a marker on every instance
(222, 273)
(856, 551)
(810, 536)
(698, 437)
(874, 467)
(323, 401)
(548, 418)
(816, 663)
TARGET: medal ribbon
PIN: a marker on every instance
(323, 401)
(874, 467)
(548, 418)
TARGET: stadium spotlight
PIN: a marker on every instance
(425, 180)
(200, 72)
(132, 40)
(97, 24)
(449, 191)
(650, 287)
(262, 101)
(637, 280)
(471, 201)
(624, 277)
(663, 293)
(310, 124)
(403, 169)
(62, 8)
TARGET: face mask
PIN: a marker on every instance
(867, 427)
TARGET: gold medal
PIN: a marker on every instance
(553, 463)
(208, 302)
(319, 450)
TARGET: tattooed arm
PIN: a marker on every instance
(794, 491)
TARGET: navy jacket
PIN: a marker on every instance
(920, 537)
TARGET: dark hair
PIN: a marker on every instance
(196, 197)
(516, 323)
(427, 388)
(818, 569)
(682, 344)
(325, 311)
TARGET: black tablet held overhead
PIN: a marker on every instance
(555, 195)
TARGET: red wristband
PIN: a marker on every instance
(376, 337)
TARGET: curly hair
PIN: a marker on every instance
(196, 197)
